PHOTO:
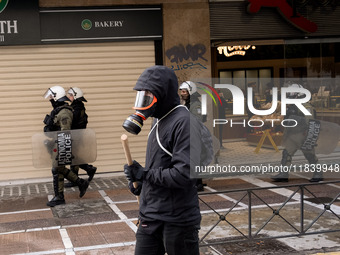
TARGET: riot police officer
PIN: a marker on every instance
(294, 140)
(60, 119)
(190, 96)
(76, 96)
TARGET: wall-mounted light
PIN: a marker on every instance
(230, 51)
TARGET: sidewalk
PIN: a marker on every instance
(103, 221)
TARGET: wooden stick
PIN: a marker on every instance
(126, 148)
(128, 157)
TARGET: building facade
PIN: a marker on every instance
(103, 46)
(265, 44)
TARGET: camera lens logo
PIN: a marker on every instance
(206, 89)
(86, 24)
(3, 4)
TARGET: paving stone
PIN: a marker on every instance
(94, 227)
(100, 234)
(87, 219)
(118, 195)
(106, 251)
(36, 241)
(15, 203)
(81, 207)
(128, 206)
(256, 247)
(117, 232)
(127, 250)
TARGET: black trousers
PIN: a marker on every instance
(156, 238)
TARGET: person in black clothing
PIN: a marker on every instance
(169, 210)
(80, 117)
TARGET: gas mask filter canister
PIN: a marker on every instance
(145, 106)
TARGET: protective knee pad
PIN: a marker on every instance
(55, 175)
(61, 183)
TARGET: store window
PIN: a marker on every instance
(259, 79)
(316, 67)
(314, 64)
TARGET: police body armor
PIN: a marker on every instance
(49, 119)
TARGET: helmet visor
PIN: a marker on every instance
(144, 100)
(49, 93)
(72, 92)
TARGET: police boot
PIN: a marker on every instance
(82, 185)
(312, 159)
(56, 200)
(317, 177)
(286, 160)
(70, 184)
(281, 177)
(90, 170)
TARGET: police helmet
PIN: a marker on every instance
(295, 94)
(77, 93)
(189, 86)
(57, 93)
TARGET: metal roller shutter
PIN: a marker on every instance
(229, 21)
(106, 73)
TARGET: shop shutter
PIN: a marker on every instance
(106, 72)
(229, 21)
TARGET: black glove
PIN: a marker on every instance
(135, 191)
(134, 172)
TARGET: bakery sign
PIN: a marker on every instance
(19, 20)
(287, 11)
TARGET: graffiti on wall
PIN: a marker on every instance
(187, 57)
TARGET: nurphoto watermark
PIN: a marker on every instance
(255, 122)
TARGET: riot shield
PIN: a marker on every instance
(328, 137)
(69, 147)
(309, 134)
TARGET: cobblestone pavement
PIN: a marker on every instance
(45, 188)
(104, 220)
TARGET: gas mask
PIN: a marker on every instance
(145, 106)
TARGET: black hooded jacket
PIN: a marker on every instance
(168, 193)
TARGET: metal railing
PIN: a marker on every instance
(299, 193)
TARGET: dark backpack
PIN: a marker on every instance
(207, 152)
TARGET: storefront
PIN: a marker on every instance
(101, 50)
(262, 44)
